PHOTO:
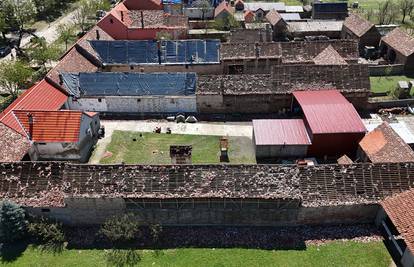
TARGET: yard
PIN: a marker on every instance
(333, 254)
(384, 84)
(151, 148)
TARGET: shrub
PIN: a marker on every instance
(13, 222)
(5, 102)
(156, 230)
(46, 232)
(121, 258)
(121, 229)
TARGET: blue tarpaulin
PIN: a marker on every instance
(129, 84)
(158, 52)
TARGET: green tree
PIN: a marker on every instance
(14, 75)
(49, 234)
(227, 23)
(406, 8)
(67, 34)
(42, 53)
(121, 229)
(3, 24)
(12, 222)
(87, 10)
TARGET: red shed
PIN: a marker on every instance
(334, 125)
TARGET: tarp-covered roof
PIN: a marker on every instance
(129, 84)
(154, 52)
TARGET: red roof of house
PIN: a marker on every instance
(42, 96)
(223, 6)
(328, 111)
(51, 126)
(280, 132)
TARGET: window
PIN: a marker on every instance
(45, 210)
(99, 100)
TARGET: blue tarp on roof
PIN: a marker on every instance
(330, 7)
(172, 1)
(129, 84)
(154, 52)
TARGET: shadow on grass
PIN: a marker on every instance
(10, 252)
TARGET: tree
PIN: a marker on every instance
(88, 8)
(406, 7)
(3, 24)
(42, 53)
(12, 222)
(14, 75)
(205, 7)
(66, 34)
(121, 229)
(24, 12)
(227, 23)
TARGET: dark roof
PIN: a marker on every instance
(400, 209)
(329, 56)
(383, 144)
(358, 25)
(147, 52)
(338, 7)
(230, 51)
(328, 111)
(13, 146)
(400, 41)
(280, 132)
(129, 84)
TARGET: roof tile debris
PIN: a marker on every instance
(50, 126)
(230, 51)
(280, 132)
(14, 146)
(383, 144)
(400, 209)
(400, 41)
(315, 26)
(358, 25)
(329, 56)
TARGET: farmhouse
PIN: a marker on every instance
(398, 48)
(279, 25)
(131, 93)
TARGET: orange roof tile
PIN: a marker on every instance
(400, 41)
(42, 96)
(51, 126)
(329, 56)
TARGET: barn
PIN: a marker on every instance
(334, 125)
(285, 138)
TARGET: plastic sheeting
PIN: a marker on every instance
(158, 52)
(129, 84)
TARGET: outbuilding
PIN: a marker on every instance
(275, 139)
(398, 48)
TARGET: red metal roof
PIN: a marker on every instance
(280, 132)
(328, 111)
(51, 126)
(42, 96)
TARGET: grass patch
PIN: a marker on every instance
(151, 148)
(333, 254)
(384, 84)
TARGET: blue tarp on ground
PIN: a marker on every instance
(154, 52)
(129, 84)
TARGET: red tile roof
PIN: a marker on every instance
(328, 111)
(329, 56)
(280, 132)
(13, 146)
(51, 126)
(383, 144)
(42, 96)
(223, 7)
(400, 209)
(400, 41)
(358, 25)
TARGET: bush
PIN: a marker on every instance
(121, 258)
(46, 232)
(121, 229)
(13, 222)
(5, 102)
(156, 230)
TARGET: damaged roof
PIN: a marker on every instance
(383, 144)
(358, 25)
(13, 145)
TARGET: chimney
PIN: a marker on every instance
(30, 117)
(122, 16)
(98, 36)
(142, 20)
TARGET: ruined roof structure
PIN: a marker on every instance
(229, 51)
(45, 184)
(400, 41)
(383, 144)
(400, 209)
(14, 146)
(358, 25)
(329, 56)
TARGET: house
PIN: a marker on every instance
(124, 24)
(131, 93)
(398, 48)
(317, 28)
(361, 30)
(335, 128)
(283, 138)
(13, 145)
(223, 11)
(396, 221)
(382, 145)
(249, 16)
(59, 135)
(279, 25)
(143, 4)
(327, 11)
(260, 9)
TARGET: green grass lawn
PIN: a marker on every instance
(333, 254)
(151, 148)
(386, 84)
